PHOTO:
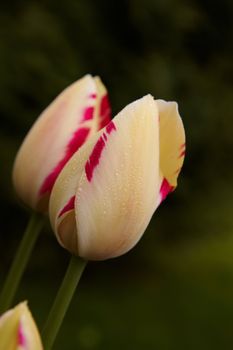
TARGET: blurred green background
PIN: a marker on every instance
(175, 289)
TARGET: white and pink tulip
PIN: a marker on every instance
(105, 196)
(66, 124)
(18, 330)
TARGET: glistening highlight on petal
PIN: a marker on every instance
(172, 145)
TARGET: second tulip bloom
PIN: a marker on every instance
(66, 124)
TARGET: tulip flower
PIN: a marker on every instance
(74, 116)
(107, 193)
(18, 330)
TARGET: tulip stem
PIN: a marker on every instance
(62, 301)
(20, 261)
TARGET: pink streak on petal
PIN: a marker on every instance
(93, 96)
(94, 158)
(69, 206)
(110, 127)
(88, 114)
(182, 154)
(165, 189)
(105, 112)
(77, 140)
(104, 105)
(97, 150)
(21, 337)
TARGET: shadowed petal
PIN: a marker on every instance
(172, 145)
(58, 133)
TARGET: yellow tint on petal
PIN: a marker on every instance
(18, 330)
(8, 330)
(172, 141)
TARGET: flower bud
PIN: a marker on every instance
(18, 330)
(106, 194)
(75, 115)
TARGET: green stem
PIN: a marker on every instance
(62, 301)
(20, 261)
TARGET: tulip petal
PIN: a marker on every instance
(172, 145)
(61, 204)
(117, 193)
(103, 115)
(116, 186)
(18, 330)
(59, 132)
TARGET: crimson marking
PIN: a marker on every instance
(105, 112)
(165, 189)
(94, 158)
(93, 95)
(88, 114)
(69, 206)
(110, 127)
(77, 140)
(21, 336)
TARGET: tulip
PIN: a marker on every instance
(18, 330)
(74, 116)
(106, 194)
